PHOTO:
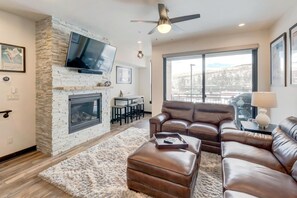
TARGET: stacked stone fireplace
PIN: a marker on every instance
(56, 86)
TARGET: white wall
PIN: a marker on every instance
(140, 83)
(127, 56)
(206, 43)
(127, 89)
(20, 126)
(144, 87)
(286, 96)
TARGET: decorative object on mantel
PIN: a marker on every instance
(121, 93)
(107, 83)
(293, 54)
(6, 113)
(278, 72)
(263, 100)
(123, 75)
(12, 58)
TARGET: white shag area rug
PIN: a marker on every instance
(100, 171)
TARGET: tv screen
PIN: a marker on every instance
(88, 54)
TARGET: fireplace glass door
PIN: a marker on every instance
(84, 111)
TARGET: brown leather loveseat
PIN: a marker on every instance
(201, 120)
(258, 165)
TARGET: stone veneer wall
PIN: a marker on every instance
(44, 85)
(52, 38)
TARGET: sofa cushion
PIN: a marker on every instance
(246, 137)
(179, 126)
(213, 113)
(227, 124)
(179, 110)
(251, 154)
(235, 194)
(284, 144)
(257, 180)
(204, 131)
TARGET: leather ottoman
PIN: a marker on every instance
(164, 172)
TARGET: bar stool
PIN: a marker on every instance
(132, 111)
(119, 112)
(140, 107)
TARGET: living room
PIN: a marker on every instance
(31, 94)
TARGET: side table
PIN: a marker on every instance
(253, 127)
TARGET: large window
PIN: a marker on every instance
(183, 79)
(224, 77)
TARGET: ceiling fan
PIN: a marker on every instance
(164, 23)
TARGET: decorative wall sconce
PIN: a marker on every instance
(6, 113)
(140, 54)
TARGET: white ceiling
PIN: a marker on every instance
(111, 18)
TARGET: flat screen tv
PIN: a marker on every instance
(89, 55)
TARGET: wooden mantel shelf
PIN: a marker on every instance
(81, 88)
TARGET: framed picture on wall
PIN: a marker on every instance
(12, 58)
(293, 54)
(278, 61)
(123, 75)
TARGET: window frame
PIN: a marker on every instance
(253, 48)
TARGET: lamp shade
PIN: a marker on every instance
(264, 99)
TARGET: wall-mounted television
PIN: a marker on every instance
(89, 55)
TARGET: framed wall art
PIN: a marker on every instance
(278, 61)
(123, 75)
(12, 58)
(293, 54)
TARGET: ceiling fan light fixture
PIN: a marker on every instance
(140, 54)
(164, 28)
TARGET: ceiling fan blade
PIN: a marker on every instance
(176, 28)
(153, 30)
(184, 18)
(143, 21)
(162, 11)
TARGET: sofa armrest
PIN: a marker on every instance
(157, 121)
(245, 137)
(227, 124)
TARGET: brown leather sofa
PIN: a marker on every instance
(201, 120)
(258, 165)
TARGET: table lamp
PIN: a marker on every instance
(263, 100)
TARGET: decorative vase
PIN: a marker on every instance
(107, 83)
(262, 118)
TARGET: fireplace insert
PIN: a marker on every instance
(84, 111)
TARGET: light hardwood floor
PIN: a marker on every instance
(18, 176)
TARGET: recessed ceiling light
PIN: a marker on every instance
(241, 24)
(139, 42)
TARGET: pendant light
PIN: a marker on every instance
(140, 53)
